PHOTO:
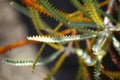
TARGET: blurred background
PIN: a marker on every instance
(13, 29)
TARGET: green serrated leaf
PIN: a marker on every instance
(93, 12)
(97, 47)
(79, 6)
(29, 62)
(79, 25)
(59, 39)
(53, 11)
(97, 72)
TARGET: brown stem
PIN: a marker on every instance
(14, 45)
(114, 58)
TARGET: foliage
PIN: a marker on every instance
(93, 21)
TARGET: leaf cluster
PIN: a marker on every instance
(97, 27)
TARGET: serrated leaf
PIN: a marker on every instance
(93, 12)
(97, 47)
(59, 39)
(97, 72)
(29, 62)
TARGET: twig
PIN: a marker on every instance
(15, 45)
(107, 21)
